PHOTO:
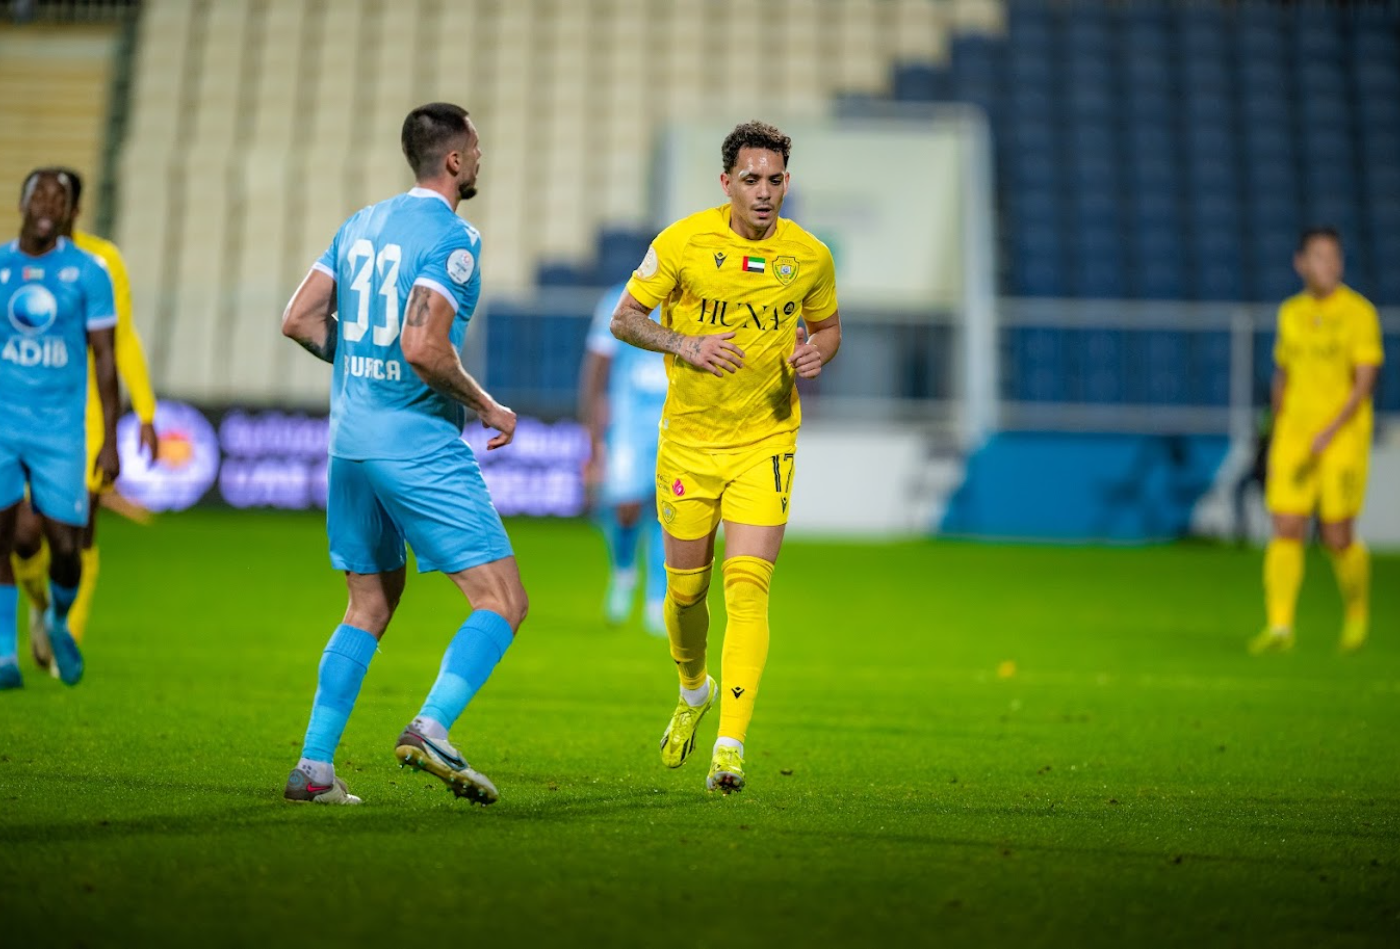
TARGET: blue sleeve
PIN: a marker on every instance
(331, 256)
(451, 269)
(600, 339)
(101, 311)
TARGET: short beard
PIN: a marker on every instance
(466, 191)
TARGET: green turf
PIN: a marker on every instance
(1137, 779)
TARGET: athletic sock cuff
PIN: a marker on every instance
(353, 643)
(495, 628)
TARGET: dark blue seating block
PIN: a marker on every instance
(1097, 365)
(1257, 75)
(1378, 111)
(1033, 168)
(1219, 280)
(1147, 72)
(1096, 209)
(1261, 108)
(1025, 68)
(1387, 294)
(976, 55)
(1149, 139)
(1216, 263)
(1210, 362)
(1209, 109)
(1038, 273)
(1379, 147)
(1089, 103)
(1272, 192)
(1271, 255)
(553, 274)
(1099, 265)
(1155, 211)
(1038, 355)
(1317, 32)
(1157, 269)
(1321, 78)
(1202, 34)
(916, 82)
(1220, 213)
(1159, 364)
(619, 253)
(1387, 395)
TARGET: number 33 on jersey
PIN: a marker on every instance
(377, 258)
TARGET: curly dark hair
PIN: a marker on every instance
(754, 134)
(1307, 235)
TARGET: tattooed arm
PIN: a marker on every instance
(427, 346)
(714, 353)
(310, 316)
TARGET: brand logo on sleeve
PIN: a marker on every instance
(649, 265)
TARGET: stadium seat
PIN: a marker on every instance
(916, 82)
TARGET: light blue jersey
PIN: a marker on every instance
(636, 394)
(50, 303)
(399, 470)
(380, 408)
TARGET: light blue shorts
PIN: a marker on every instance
(438, 503)
(56, 473)
(629, 472)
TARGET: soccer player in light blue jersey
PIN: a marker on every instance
(55, 303)
(402, 276)
(621, 392)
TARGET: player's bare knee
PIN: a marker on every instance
(64, 543)
(629, 514)
(369, 613)
(1337, 537)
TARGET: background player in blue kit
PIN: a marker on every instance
(55, 303)
(621, 392)
(399, 469)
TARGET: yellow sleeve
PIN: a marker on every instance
(1282, 349)
(820, 303)
(657, 274)
(131, 358)
(1366, 347)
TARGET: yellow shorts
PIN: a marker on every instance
(697, 488)
(1332, 484)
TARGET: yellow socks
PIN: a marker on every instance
(1353, 567)
(1283, 575)
(32, 575)
(746, 581)
(78, 615)
(688, 622)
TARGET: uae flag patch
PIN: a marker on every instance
(755, 265)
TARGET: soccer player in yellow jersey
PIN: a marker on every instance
(1328, 355)
(31, 551)
(736, 284)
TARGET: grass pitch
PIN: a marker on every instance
(955, 744)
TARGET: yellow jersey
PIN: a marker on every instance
(131, 359)
(708, 279)
(1320, 344)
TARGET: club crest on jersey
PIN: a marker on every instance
(785, 269)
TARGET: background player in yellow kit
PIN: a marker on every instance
(1328, 355)
(735, 284)
(31, 555)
